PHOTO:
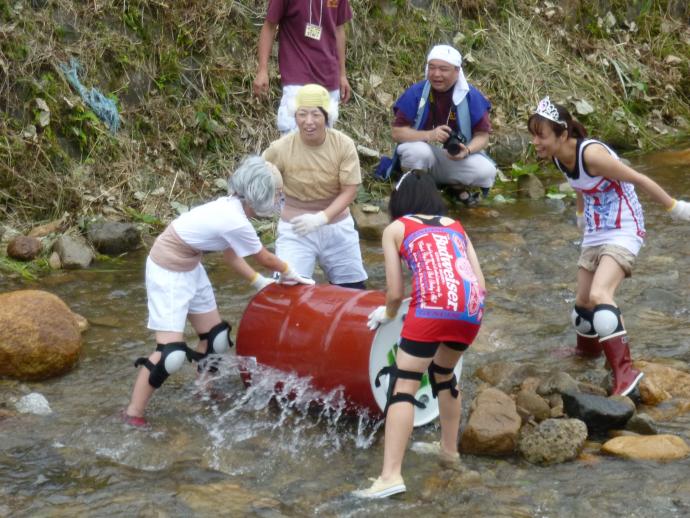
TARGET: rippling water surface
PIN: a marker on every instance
(231, 451)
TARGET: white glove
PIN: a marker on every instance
(306, 223)
(680, 210)
(260, 282)
(291, 277)
(378, 317)
(580, 220)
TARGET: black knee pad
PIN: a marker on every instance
(583, 321)
(218, 338)
(173, 356)
(402, 397)
(607, 321)
(450, 384)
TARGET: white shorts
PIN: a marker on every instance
(475, 170)
(286, 117)
(334, 246)
(174, 295)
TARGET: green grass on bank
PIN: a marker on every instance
(181, 72)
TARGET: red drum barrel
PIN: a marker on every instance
(321, 331)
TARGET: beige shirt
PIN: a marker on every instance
(313, 175)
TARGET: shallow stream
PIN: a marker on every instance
(237, 452)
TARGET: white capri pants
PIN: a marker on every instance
(174, 295)
(286, 114)
(335, 246)
(476, 170)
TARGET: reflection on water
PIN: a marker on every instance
(225, 449)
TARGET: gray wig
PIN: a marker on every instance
(254, 181)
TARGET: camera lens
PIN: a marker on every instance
(452, 145)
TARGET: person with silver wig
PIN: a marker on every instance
(257, 185)
(178, 288)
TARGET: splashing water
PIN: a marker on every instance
(281, 409)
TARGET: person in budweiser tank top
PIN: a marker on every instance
(444, 316)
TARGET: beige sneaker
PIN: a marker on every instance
(381, 489)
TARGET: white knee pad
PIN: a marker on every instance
(607, 321)
(173, 361)
(218, 338)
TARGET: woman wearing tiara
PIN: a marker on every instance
(445, 312)
(611, 217)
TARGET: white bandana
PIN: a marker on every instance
(453, 57)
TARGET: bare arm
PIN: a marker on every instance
(238, 264)
(266, 37)
(270, 261)
(341, 44)
(409, 134)
(263, 257)
(480, 139)
(392, 236)
(601, 163)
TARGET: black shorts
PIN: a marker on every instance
(428, 349)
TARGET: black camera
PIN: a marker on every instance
(452, 145)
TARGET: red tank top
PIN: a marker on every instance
(447, 303)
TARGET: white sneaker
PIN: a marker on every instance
(381, 489)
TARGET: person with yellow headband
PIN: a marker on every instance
(321, 174)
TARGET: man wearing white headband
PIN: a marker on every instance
(442, 125)
(311, 49)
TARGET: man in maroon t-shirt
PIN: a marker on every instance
(311, 49)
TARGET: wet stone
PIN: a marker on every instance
(23, 248)
(648, 447)
(559, 382)
(529, 186)
(493, 426)
(599, 413)
(114, 237)
(533, 404)
(552, 441)
(74, 252)
(642, 424)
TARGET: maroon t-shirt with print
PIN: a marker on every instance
(301, 59)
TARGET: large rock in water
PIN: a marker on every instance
(39, 335)
(493, 426)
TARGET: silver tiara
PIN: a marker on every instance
(546, 109)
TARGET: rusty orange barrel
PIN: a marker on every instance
(321, 331)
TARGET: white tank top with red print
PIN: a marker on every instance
(613, 214)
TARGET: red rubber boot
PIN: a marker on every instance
(588, 346)
(625, 377)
